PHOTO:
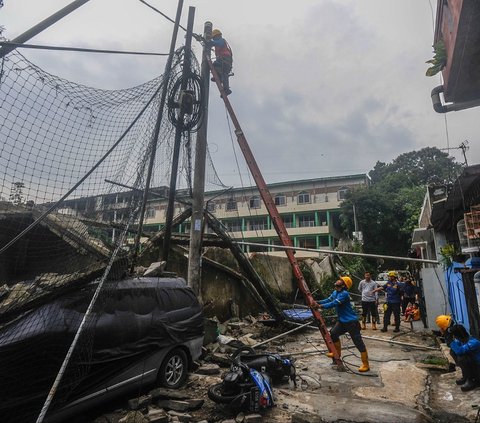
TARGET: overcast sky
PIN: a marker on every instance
(321, 87)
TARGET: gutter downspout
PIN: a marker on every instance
(453, 107)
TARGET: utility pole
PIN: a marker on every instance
(156, 132)
(22, 38)
(179, 130)
(198, 217)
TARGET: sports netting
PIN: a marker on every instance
(73, 163)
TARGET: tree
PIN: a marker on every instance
(426, 166)
(16, 193)
(388, 211)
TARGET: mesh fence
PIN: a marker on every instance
(73, 163)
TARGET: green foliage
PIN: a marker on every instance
(426, 166)
(448, 253)
(439, 60)
(388, 211)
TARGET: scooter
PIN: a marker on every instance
(248, 385)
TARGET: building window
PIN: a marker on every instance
(231, 204)
(280, 200)
(258, 248)
(323, 241)
(322, 218)
(303, 198)
(342, 193)
(257, 224)
(150, 213)
(211, 206)
(288, 221)
(307, 242)
(306, 220)
(255, 202)
(233, 225)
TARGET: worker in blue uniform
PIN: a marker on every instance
(347, 320)
(464, 349)
(394, 291)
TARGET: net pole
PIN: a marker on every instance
(154, 143)
(42, 26)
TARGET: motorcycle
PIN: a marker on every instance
(248, 383)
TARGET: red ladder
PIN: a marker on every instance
(276, 219)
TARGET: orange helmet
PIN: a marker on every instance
(347, 281)
(443, 322)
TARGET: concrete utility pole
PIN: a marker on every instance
(42, 25)
(178, 134)
(198, 218)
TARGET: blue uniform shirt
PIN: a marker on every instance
(472, 346)
(393, 290)
(341, 301)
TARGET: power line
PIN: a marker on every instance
(78, 49)
(161, 13)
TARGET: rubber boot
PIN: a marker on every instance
(365, 367)
(363, 324)
(374, 326)
(338, 347)
(469, 385)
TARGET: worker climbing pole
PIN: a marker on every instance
(276, 218)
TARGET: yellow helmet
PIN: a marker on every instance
(392, 273)
(347, 281)
(443, 321)
(216, 32)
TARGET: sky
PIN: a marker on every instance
(321, 87)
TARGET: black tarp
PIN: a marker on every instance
(132, 318)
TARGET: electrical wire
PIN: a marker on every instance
(161, 13)
(78, 49)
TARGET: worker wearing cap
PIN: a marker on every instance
(347, 319)
(223, 58)
(394, 290)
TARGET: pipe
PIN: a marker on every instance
(338, 253)
(452, 107)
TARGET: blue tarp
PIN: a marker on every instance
(298, 314)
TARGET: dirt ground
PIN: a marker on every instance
(400, 387)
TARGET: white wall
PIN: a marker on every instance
(435, 292)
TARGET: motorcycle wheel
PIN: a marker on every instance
(216, 394)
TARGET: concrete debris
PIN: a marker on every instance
(155, 269)
(157, 416)
(176, 405)
(134, 417)
(253, 418)
(208, 369)
(140, 402)
(182, 417)
(167, 393)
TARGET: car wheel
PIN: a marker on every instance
(174, 369)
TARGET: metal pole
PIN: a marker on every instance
(41, 26)
(198, 219)
(282, 334)
(168, 69)
(178, 136)
(339, 253)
